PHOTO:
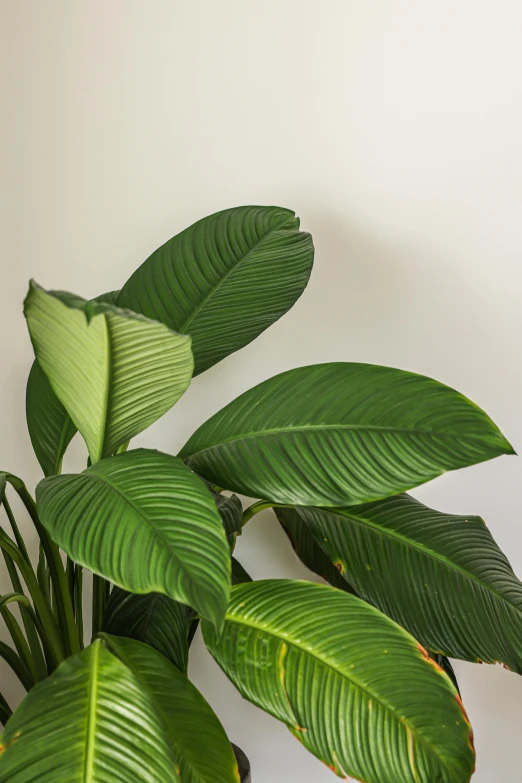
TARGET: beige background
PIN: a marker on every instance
(393, 128)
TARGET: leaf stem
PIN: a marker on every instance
(261, 505)
(17, 665)
(43, 609)
(5, 710)
(100, 596)
(61, 588)
(16, 531)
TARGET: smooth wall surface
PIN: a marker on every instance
(393, 128)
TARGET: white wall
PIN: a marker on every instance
(392, 127)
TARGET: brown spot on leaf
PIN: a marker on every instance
(339, 567)
(465, 714)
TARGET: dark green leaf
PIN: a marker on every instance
(225, 279)
(154, 619)
(337, 434)
(440, 576)
(231, 512)
(89, 722)
(308, 549)
(144, 521)
(50, 427)
(352, 686)
(199, 742)
(239, 575)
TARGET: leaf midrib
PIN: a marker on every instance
(158, 533)
(92, 694)
(230, 272)
(160, 711)
(420, 548)
(283, 430)
(364, 689)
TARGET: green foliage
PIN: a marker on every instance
(114, 371)
(441, 576)
(331, 447)
(337, 434)
(154, 619)
(143, 520)
(90, 721)
(225, 279)
(320, 661)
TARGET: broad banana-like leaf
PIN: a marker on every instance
(356, 689)
(144, 521)
(225, 279)
(441, 576)
(154, 619)
(114, 371)
(340, 433)
(91, 721)
(200, 745)
(308, 550)
(50, 426)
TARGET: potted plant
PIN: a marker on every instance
(356, 668)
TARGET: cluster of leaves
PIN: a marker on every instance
(331, 447)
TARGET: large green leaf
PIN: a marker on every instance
(200, 745)
(89, 722)
(114, 371)
(352, 686)
(154, 619)
(225, 279)
(441, 576)
(50, 426)
(143, 520)
(337, 434)
(308, 550)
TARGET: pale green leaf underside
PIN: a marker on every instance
(115, 372)
(153, 618)
(353, 686)
(144, 521)
(200, 746)
(50, 426)
(341, 433)
(89, 722)
(441, 576)
(225, 279)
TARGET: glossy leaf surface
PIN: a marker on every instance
(89, 722)
(115, 372)
(225, 279)
(154, 619)
(353, 686)
(441, 576)
(200, 745)
(337, 434)
(144, 521)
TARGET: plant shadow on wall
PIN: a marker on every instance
(356, 668)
